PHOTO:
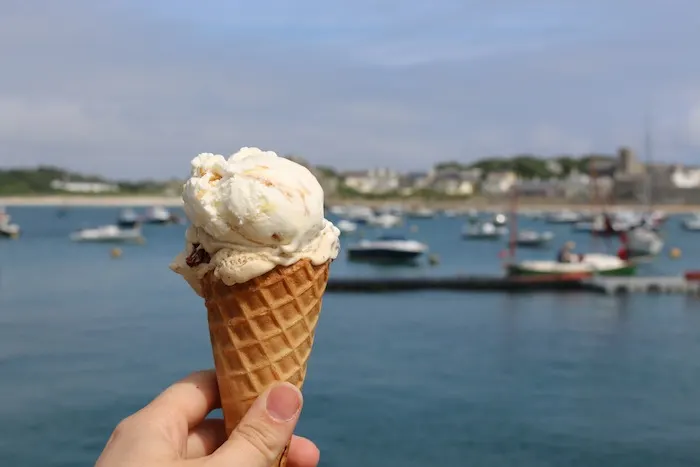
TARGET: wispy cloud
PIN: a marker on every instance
(121, 88)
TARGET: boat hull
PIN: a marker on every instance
(533, 243)
(8, 234)
(518, 270)
(482, 236)
(383, 256)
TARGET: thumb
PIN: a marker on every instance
(264, 431)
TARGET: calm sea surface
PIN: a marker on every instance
(406, 380)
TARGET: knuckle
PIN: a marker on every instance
(261, 437)
(124, 426)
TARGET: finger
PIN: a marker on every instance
(206, 438)
(264, 431)
(188, 401)
(302, 453)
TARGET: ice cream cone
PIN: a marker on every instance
(262, 332)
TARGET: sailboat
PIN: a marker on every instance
(582, 265)
(641, 240)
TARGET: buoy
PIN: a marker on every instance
(115, 253)
(433, 260)
(141, 241)
(675, 253)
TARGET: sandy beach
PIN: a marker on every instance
(478, 203)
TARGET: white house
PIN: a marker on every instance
(84, 187)
(685, 178)
(411, 182)
(454, 183)
(498, 183)
(375, 181)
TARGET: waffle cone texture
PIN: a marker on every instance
(262, 332)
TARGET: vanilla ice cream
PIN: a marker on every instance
(250, 213)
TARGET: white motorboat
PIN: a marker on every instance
(127, 219)
(499, 219)
(598, 226)
(532, 238)
(587, 265)
(421, 213)
(346, 226)
(359, 214)
(387, 249)
(643, 242)
(159, 215)
(483, 231)
(108, 234)
(338, 210)
(563, 217)
(692, 223)
(386, 221)
(7, 229)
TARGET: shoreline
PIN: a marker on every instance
(479, 203)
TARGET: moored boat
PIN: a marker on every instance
(385, 221)
(533, 239)
(108, 234)
(483, 231)
(588, 265)
(346, 227)
(563, 217)
(7, 228)
(127, 219)
(643, 242)
(160, 215)
(692, 223)
(421, 213)
(387, 249)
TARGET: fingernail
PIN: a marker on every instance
(283, 402)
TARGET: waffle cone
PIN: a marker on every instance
(262, 332)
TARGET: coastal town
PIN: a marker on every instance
(620, 178)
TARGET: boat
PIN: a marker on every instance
(472, 213)
(499, 219)
(385, 221)
(483, 231)
(421, 213)
(532, 238)
(159, 215)
(127, 219)
(108, 234)
(643, 242)
(7, 228)
(581, 265)
(359, 214)
(346, 226)
(588, 265)
(563, 217)
(692, 223)
(605, 225)
(338, 210)
(387, 249)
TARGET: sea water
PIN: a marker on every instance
(404, 379)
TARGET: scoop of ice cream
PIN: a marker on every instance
(251, 212)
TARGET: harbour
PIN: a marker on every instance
(530, 284)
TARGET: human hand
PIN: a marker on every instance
(172, 431)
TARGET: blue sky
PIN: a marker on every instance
(134, 88)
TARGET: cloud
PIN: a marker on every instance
(120, 89)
